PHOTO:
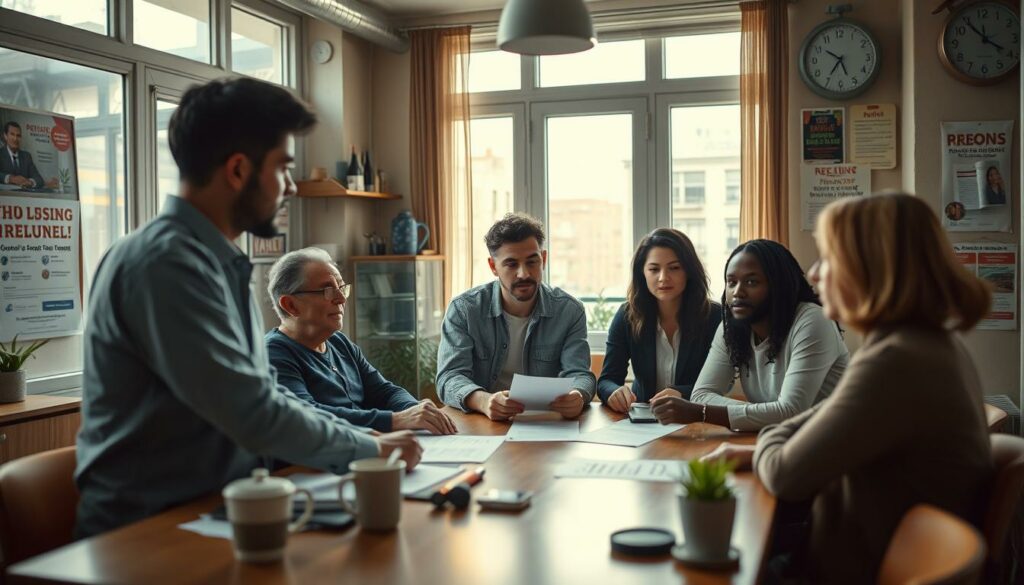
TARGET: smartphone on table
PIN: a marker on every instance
(504, 499)
(640, 412)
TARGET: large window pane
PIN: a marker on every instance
(606, 63)
(94, 97)
(257, 47)
(166, 169)
(90, 15)
(494, 71)
(719, 54)
(705, 153)
(590, 207)
(493, 160)
(179, 27)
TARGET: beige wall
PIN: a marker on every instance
(913, 78)
(342, 91)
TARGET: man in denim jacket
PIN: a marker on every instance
(515, 324)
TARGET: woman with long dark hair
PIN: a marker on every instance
(664, 328)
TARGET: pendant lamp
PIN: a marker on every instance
(545, 27)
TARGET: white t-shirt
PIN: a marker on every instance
(810, 362)
(514, 357)
(666, 353)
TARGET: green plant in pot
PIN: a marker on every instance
(12, 377)
(707, 508)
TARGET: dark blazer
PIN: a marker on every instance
(26, 167)
(622, 348)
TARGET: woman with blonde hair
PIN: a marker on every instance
(906, 424)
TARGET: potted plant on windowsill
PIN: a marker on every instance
(707, 508)
(12, 377)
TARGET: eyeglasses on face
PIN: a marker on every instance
(330, 292)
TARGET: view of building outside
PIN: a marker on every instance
(590, 209)
(492, 153)
(705, 151)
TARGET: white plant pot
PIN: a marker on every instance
(12, 386)
(707, 526)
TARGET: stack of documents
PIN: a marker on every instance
(459, 448)
(629, 434)
(666, 470)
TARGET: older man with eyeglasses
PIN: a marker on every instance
(317, 362)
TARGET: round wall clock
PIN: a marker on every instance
(840, 59)
(980, 42)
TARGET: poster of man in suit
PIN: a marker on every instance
(37, 154)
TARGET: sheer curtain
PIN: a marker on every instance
(764, 78)
(439, 143)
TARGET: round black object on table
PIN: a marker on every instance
(644, 542)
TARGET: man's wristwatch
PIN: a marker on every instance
(704, 413)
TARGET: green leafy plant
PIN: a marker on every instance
(65, 179)
(707, 480)
(601, 313)
(400, 362)
(12, 357)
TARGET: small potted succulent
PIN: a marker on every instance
(12, 377)
(707, 506)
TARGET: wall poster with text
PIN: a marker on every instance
(997, 264)
(976, 174)
(40, 226)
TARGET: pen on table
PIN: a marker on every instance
(470, 477)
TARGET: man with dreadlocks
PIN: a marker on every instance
(774, 338)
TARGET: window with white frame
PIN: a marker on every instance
(619, 140)
(94, 77)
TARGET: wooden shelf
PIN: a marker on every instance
(36, 406)
(332, 188)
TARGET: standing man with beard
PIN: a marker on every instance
(515, 324)
(178, 397)
(774, 338)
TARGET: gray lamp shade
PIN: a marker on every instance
(545, 27)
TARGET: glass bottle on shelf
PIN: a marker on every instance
(354, 180)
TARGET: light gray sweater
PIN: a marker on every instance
(810, 362)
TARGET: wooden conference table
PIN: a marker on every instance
(561, 538)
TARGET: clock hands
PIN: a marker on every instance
(987, 39)
(839, 62)
(984, 37)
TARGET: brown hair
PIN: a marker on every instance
(642, 307)
(890, 257)
(514, 227)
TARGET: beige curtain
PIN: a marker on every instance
(439, 147)
(764, 77)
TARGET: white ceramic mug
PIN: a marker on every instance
(259, 509)
(378, 504)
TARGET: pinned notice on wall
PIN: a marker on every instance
(873, 135)
(823, 184)
(997, 264)
(822, 137)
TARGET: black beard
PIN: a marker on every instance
(245, 212)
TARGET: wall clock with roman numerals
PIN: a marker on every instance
(840, 59)
(980, 42)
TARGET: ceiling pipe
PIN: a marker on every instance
(356, 18)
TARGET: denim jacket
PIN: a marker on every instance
(474, 342)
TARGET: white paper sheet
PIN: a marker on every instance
(666, 470)
(459, 448)
(325, 485)
(536, 392)
(207, 526)
(629, 434)
(559, 430)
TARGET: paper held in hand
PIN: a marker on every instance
(536, 392)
